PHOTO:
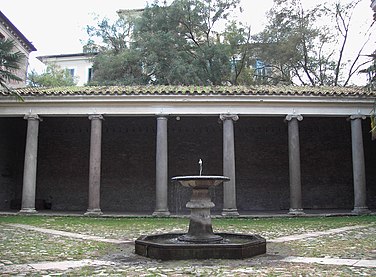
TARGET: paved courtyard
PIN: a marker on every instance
(52, 247)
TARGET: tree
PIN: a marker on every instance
(172, 45)
(303, 50)
(10, 61)
(54, 76)
(371, 72)
(117, 63)
(196, 22)
(121, 67)
(371, 85)
(164, 52)
(112, 36)
(237, 37)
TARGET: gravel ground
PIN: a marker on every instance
(266, 265)
(359, 244)
(19, 247)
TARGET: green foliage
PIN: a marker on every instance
(112, 36)
(10, 61)
(54, 76)
(289, 43)
(373, 122)
(371, 72)
(121, 67)
(301, 49)
(171, 45)
(182, 44)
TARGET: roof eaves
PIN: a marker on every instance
(17, 32)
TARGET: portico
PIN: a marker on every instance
(162, 124)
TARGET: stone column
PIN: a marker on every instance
(95, 165)
(30, 165)
(359, 175)
(229, 188)
(161, 168)
(294, 164)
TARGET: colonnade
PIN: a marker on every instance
(161, 178)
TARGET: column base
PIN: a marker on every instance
(360, 210)
(93, 212)
(161, 213)
(230, 213)
(296, 212)
(28, 211)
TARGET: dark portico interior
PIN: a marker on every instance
(128, 162)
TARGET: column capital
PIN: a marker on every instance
(233, 117)
(161, 117)
(32, 116)
(289, 117)
(357, 116)
(95, 116)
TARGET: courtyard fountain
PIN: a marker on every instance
(200, 242)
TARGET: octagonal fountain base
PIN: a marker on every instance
(169, 247)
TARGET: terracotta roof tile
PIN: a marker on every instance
(196, 90)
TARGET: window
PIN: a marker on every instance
(1, 36)
(89, 74)
(71, 71)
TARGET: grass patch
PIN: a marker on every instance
(131, 228)
(277, 227)
(357, 244)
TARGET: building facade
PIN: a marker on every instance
(79, 65)
(22, 44)
(114, 149)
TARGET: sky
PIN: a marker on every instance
(58, 27)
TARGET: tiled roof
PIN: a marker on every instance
(197, 90)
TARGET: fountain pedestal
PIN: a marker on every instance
(200, 227)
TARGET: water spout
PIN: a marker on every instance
(200, 164)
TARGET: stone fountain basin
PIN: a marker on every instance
(168, 247)
(200, 182)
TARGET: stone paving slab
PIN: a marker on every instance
(64, 265)
(331, 261)
(317, 234)
(70, 234)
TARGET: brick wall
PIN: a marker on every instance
(262, 163)
(12, 149)
(63, 162)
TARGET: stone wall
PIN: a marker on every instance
(128, 162)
